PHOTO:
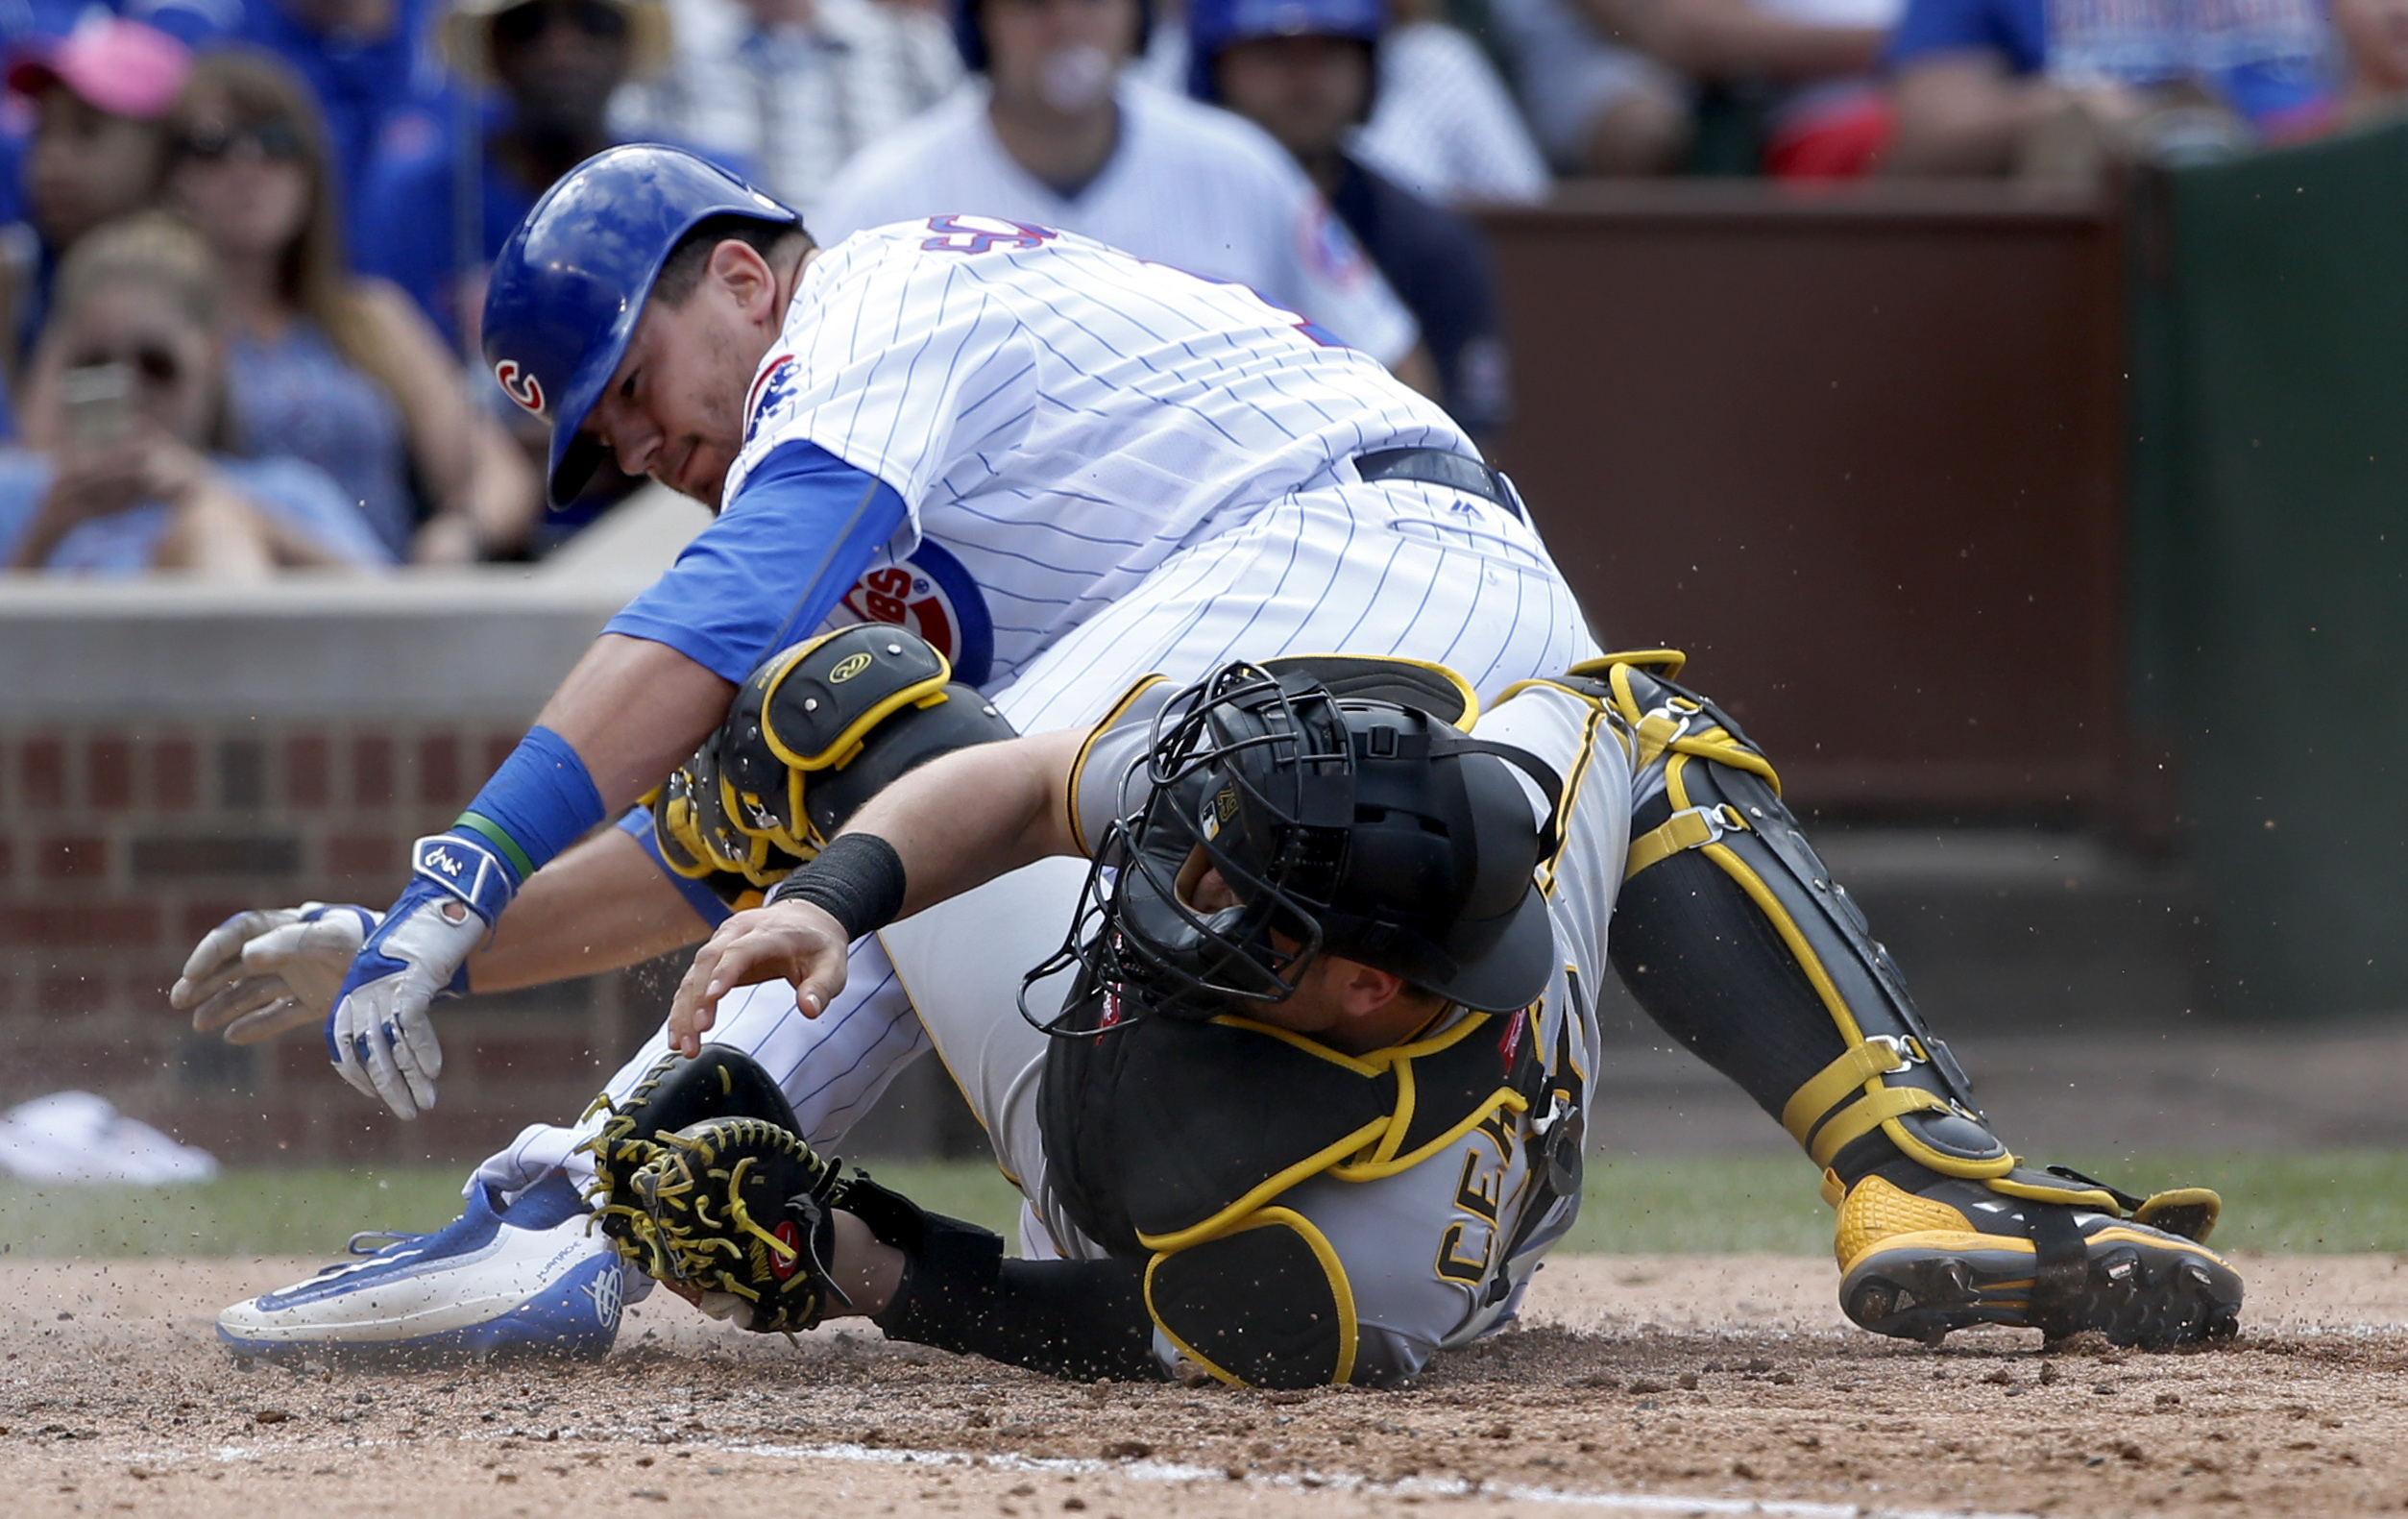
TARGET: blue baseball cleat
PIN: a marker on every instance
(530, 1279)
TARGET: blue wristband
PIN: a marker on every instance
(542, 800)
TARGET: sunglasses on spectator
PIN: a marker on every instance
(523, 24)
(273, 138)
(155, 363)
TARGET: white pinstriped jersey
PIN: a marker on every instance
(1059, 417)
(1192, 186)
(1443, 126)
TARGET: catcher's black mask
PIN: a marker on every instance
(1357, 827)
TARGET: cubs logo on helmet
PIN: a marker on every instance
(519, 384)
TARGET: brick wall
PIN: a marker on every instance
(121, 845)
(173, 751)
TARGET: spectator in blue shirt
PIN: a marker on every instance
(1980, 84)
(558, 62)
(1303, 71)
(126, 412)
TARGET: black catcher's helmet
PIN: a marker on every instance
(1356, 827)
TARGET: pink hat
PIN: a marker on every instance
(123, 67)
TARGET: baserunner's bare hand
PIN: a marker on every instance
(791, 940)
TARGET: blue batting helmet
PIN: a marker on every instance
(1214, 26)
(972, 41)
(571, 281)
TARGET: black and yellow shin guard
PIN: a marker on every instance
(1731, 934)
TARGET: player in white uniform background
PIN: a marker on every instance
(1064, 466)
(1443, 124)
(1058, 131)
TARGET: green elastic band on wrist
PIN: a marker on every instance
(489, 830)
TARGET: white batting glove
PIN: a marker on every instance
(380, 1036)
(262, 973)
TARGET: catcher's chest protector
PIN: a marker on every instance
(1175, 1140)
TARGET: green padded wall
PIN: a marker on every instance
(2270, 570)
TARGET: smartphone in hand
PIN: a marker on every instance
(96, 402)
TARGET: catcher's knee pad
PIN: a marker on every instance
(815, 730)
(1266, 1304)
(1731, 932)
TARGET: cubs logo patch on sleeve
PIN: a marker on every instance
(771, 389)
(931, 594)
(519, 384)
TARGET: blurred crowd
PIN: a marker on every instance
(244, 240)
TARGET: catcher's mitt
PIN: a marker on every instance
(741, 1206)
(675, 1093)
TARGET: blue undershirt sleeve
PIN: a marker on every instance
(636, 824)
(774, 564)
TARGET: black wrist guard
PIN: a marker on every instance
(856, 880)
(1080, 1319)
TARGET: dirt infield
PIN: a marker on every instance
(1662, 1384)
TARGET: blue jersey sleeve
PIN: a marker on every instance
(636, 824)
(2015, 29)
(773, 567)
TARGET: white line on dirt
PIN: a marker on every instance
(1167, 1472)
(1146, 1471)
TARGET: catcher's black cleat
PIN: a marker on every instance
(1953, 1253)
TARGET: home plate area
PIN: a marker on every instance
(1643, 1384)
